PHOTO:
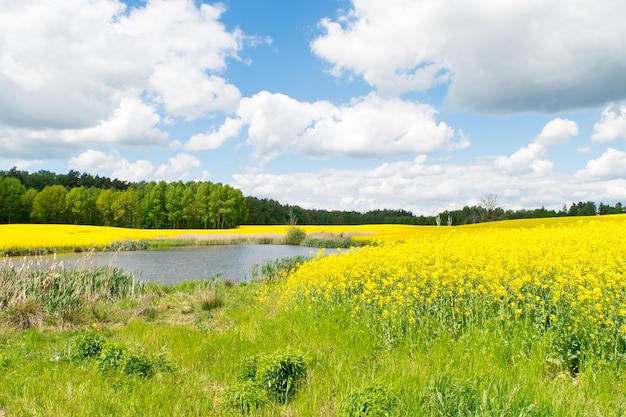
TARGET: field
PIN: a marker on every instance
(519, 318)
(36, 238)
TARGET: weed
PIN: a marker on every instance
(280, 374)
(112, 357)
(87, 345)
(119, 358)
(372, 401)
(228, 282)
(450, 396)
(246, 396)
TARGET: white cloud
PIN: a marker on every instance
(611, 125)
(214, 139)
(422, 187)
(498, 56)
(524, 160)
(133, 123)
(275, 121)
(368, 127)
(115, 165)
(67, 66)
(557, 131)
(189, 92)
(376, 127)
(177, 168)
(610, 165)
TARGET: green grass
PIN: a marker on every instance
(165, 354)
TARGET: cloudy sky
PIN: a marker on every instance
(422, 105)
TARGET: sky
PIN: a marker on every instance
(421, 105)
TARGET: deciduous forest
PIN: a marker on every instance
(81, 198)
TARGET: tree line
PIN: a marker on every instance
(84, 199)
(46, 197)
(268, 211)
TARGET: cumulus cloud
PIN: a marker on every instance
(557, 131)
(367, 127)
(133, 123)
(497, 57)
(526, 159)
(113, 164)
(189, 92)
(275, 121)
(610, 165)
(216, 138)
(612, 124)
(65, 68)
(376, 127)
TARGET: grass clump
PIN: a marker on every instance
(246, 396)
(371, 401)
(279, 374)
(24, 314)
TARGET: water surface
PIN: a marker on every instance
(170, 266)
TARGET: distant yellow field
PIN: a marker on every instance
(28, 236)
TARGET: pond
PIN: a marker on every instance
(170, 266)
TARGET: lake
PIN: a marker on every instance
(170, 266)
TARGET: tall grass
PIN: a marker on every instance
(59, 291)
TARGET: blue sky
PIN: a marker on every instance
(423, 105)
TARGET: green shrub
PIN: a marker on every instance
(87, 345)
(280, 374)
(118, 358)
(138, 364)
(112, 357)
(295, 236)
(371, 401)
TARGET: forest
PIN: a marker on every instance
(81, 198)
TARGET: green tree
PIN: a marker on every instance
(49, 205)
(154, 212)
(105, 205)
(174, 203)
(27, 202)
(11, 209)
(127, 209)
(191, 208)
(77, 205)
(227, 207)
(203, 197)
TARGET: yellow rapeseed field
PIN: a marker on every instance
(55, 236)
(567, 273)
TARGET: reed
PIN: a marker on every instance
(59, 292)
